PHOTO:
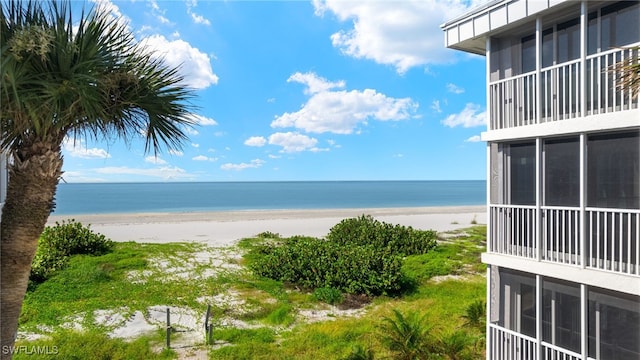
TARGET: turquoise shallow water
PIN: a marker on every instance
(98, 198)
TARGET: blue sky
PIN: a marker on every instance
(305, 90)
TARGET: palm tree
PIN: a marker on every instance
(69, 78)
(456, 345)
(407, 336)
(628, 72)
(475, 314)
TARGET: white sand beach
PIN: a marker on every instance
(226, 227)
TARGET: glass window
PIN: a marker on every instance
(620, 24)
(528, 45)
(613, 170)
(547, 48)
(517, 302)
(592, 33)
(522, 175)
(562, 172)
(502, 62)
(569, 41)
(613, 325)
(561, 314)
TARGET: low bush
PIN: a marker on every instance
(398, 239)
(407, 336)
(57, 243)
(313, 263)
(475, 314)
(359, 256)
(328, 295)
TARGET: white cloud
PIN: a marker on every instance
(453, 88)
(204, 158)
(202, 120)
(341, 111)
(435, 106)
(194, 65)
(76, 148)
(77, 176)
(195, 145)
(271, 156)
(293, 142)
(165, 172)
(474, 138)
(403, 34)
(107, 6)
(155, 160)
(254, 164)
(190, 131)
(157, 12)
(198, 19)
(257, 141)
(315, 84)
(176, 152)
(470, 116)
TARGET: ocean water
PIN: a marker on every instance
(100, 198)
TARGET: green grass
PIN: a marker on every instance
(457, 255)
(65, 344)
(104, 282)
(92, 283)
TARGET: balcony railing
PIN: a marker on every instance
(611, 236)
(507, 344)
(561, 235)
(604, 91)
(513, 230)
(513, 101)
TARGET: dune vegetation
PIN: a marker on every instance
(391, 293)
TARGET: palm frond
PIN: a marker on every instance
(84, 76)
(627, 72)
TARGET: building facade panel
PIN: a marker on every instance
(563, 173)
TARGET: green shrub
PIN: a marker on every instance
(365, 230)
(268, 235)
(358, 352)
(475, 314)
(456, 344)
(72, 238)
(328, 295)
(360, 256)
(57, 243)
(407, 336)
(313, 263)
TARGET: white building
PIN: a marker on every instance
(563, 150)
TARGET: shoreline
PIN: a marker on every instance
(224, 228)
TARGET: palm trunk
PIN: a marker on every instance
(33, 178)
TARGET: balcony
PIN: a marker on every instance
(611, 239)
(556, 92)
(507, 344)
